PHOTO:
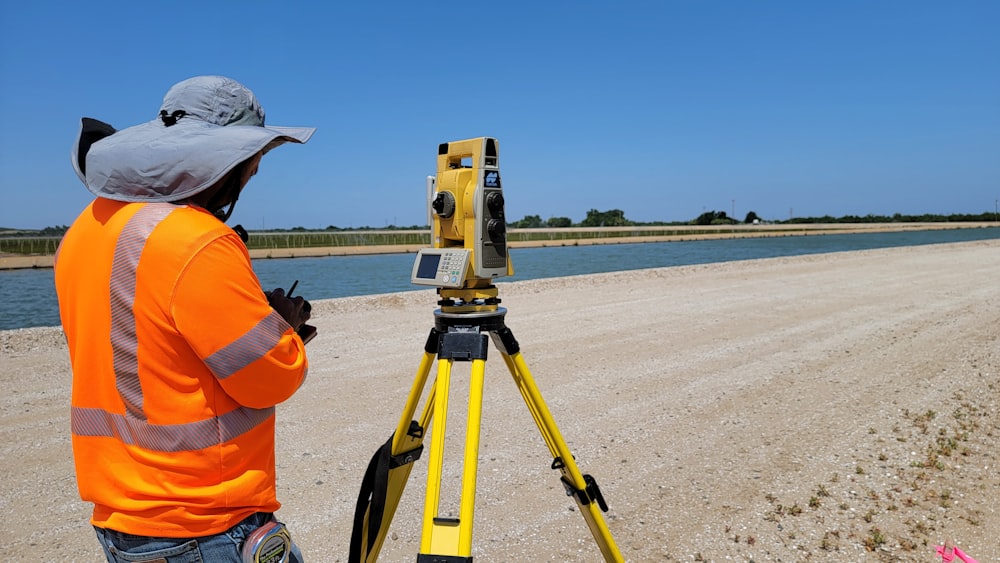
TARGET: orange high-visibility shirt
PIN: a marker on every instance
(178, 362)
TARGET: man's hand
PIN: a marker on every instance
(296, 310)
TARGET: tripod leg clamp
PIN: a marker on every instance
(417, 433)
(590, 493)
(505, 341)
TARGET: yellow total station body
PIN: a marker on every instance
(468, 212)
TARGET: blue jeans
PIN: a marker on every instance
(120, 547)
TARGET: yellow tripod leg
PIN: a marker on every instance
(450, 539)
(381, 498)
(444, 539)
(582, 487)
(535, 415)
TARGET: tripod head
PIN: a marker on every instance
(468, 230)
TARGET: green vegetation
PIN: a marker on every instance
(28, 244)
(596, 225)
(329, 238)
(318, 239)
(535, 222)
(595, 218)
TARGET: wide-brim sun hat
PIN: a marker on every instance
(207, 126)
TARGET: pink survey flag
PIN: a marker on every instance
(949, 553)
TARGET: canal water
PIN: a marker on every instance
(28, 299)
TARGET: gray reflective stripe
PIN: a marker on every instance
(167, 437)
(253, 345)
(128, 250)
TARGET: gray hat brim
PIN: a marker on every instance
(154, 162)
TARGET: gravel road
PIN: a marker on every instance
(836, 407)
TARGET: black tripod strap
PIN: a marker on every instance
(371, 501)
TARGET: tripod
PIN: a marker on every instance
(460, 332)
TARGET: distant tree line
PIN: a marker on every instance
(900, 218)
(616, 218)
(595, 218)
(56, 231)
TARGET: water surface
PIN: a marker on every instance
(27, 297)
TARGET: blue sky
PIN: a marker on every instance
(663, 109)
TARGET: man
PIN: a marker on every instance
(178, 356)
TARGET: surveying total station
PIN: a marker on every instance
(469, 251)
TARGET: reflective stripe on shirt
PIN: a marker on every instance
(167, 437)
(255, 344)
(124, 345)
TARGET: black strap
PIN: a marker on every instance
(245, 236)
(371, 500)
(228, 194)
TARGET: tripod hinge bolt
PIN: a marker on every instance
(405, 458)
